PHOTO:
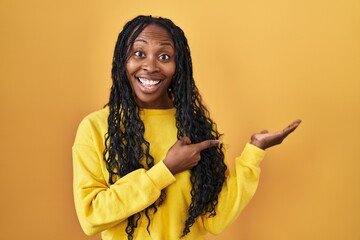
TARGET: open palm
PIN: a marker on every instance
(265, 139)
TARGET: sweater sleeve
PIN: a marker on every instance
(237, 191)
(100, 206)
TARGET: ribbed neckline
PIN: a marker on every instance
(148, 111)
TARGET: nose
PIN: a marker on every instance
(150, 64)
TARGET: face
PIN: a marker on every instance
(151, 66)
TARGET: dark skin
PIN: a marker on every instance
(183, 155)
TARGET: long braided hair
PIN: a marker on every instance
(125, 145)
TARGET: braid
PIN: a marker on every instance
(193, 120)
(125, 145)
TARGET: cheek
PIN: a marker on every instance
(172, 69)
(130, 66)
(130, 69)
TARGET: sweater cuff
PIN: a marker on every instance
(252, 154)
(161, 175)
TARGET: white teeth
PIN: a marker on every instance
(148, 81)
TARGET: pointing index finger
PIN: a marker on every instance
(207, 144)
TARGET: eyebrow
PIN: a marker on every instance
(164, 43)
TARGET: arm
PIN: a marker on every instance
(100, 206)
(239, 188)
(241, 185)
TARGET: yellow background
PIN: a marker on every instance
(258, 64)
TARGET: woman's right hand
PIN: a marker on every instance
(183, 155)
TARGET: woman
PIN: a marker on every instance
(150, 165)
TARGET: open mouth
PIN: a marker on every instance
(148, 83)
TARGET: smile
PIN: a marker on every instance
(148, 82)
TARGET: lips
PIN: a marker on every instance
(148, 84)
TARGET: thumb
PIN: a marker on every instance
(185, 140)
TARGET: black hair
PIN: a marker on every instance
(125, 145)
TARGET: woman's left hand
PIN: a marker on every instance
(266, 139)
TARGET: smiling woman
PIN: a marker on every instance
(152, 157)
(151, 66)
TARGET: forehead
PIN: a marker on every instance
(154, 32)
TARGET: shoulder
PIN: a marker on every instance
(94, 125)
(98, 116)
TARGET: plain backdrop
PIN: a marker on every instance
(258, 64)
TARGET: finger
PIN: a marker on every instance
(185, 141)
(297, 121)
(207, 144)
(195, 163)
(289, 129)
(264, 131)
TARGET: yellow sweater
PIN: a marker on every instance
(104, 208)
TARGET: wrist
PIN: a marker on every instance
(257, 144)
(169, 166)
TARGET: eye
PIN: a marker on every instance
(139, 54)
(164, 57)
